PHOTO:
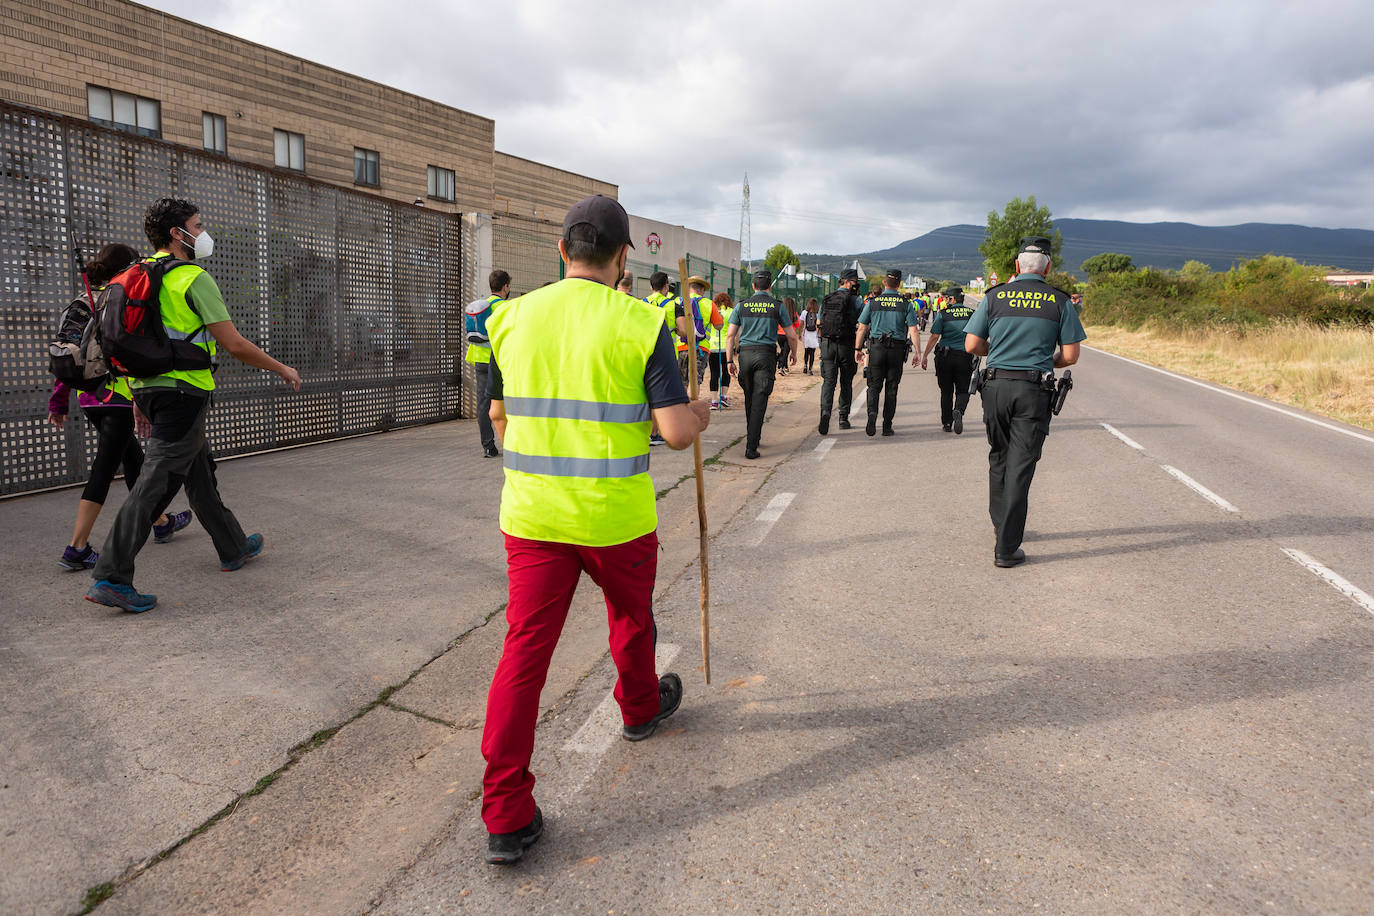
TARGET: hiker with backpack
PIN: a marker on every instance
(109, 408)
(475, 316)
(837, 326)
(811, 339)
(720, 370)
(162, 322)
(703, 312)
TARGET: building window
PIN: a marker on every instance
(290, 150)
(212, 125)
(366, 167)
(124, 111)
(441, 183)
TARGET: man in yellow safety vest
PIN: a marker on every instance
(572, 410)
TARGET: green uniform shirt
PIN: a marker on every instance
(190, 298)
(888, 313)
(949, 323)
(1023, 321)
(758, 318)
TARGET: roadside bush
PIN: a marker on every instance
(1252, 294)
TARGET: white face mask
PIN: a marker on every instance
(202, 245)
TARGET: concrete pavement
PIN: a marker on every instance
(1161, 711)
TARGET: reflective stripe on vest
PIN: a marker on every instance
(577, 416)
(577, 467)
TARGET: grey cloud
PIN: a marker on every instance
(1206, 112)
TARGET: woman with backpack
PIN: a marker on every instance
(811, 338)
(110, 410)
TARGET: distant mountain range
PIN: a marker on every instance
(951, 252)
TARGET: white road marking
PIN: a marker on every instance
(1199, 489)
(1123, 437)
(583, 751)
(770, 515)
(1335, 580)
(1240, 397)
(825, 446)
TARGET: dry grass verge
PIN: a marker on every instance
(1329, 371)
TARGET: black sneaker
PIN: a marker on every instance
(845, 424)
(175, 522)
(507, 848)
(490, 451)
(958, 422)
(872, 427)
(656, 439)
(945, 427)
(751, 453)
(75, 559)
(824, 426)
(669, 699)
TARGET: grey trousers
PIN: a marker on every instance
(178, 456)
(484, 427)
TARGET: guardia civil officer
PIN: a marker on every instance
(752, 345)
(953, 364)
(1026, 329)
(838, 323)
(887, 322)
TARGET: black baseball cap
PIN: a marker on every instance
(604, 214)
(894, 274)
(763, 275)
(849, 273)
(1036, 243)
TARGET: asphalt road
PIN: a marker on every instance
(1160, 712)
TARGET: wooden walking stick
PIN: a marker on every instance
(693, 389)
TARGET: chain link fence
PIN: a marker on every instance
(362, 295)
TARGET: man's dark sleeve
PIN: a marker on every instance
(662, 380)
(494, 385)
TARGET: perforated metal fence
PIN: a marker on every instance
(362, 295)
(527, 249)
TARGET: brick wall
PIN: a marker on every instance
(51, 49)
(525, 188)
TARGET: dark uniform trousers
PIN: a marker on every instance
(885, 371)
(178, 456)
(954, 371)
(837, 363)
(757, 370)
(1017, 416)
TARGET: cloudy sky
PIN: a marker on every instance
(863, 124)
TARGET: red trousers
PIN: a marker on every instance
(543, 576)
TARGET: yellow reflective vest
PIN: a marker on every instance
(576, 447)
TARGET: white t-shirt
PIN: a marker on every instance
(810, 339)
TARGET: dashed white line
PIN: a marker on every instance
(1199, 489)
(1123, 437)
(771, 513)
(583, 751)
(1332, 578)
(1240, 397)
(825, 446)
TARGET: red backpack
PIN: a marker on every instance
(134, 339)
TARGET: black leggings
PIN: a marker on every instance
(810, 358)
(115, 445)
(720, 371)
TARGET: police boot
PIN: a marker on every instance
(887, 430)
(844, 423)
(872, 427)
(824, 426)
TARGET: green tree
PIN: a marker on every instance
(1108, 262)
(1195, 270)
(1002, 241)
(778, 257)
(1062, 279)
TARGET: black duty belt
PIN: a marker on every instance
(1020, 375)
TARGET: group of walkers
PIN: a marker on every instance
(573, 414)
(170, 313)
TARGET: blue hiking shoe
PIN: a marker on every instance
(254, 548)
(73, 558)
(114, 594)
(163, 533)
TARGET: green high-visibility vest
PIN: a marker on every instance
(182, 321)
(577, 416)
